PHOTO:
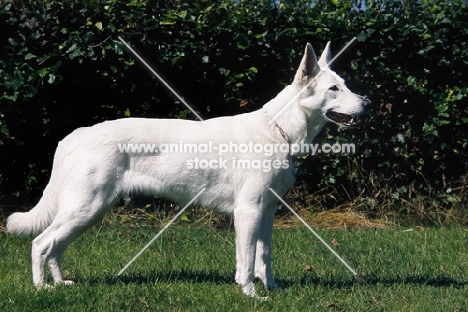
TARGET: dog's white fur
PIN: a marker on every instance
(90, 174)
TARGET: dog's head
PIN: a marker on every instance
(325, 92)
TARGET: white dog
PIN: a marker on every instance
(92, 169)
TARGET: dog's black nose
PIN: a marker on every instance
(367, 104)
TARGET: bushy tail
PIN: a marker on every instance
(34, 221)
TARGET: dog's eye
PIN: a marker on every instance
(334, 88)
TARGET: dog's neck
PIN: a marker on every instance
(294, 124)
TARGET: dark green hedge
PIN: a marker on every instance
(62, 66)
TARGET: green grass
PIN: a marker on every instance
(192, 269)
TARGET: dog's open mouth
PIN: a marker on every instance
(343, 119)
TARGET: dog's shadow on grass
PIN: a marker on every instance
(169, 276)
(305, 280)
(366, 280)
(434, 281)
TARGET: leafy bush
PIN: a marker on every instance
(63, 66)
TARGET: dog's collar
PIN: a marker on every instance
(282, 133)
(286, 139)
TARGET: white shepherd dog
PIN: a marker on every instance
(91, 170)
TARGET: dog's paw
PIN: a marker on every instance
(262, 298)
(65, 283)
(44, 287)
(249, 290)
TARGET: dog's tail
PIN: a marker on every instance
(34, 221)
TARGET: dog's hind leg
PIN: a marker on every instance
(263, 254)
(247, 224)
(69, 223)
(48, 247)
(55, 269)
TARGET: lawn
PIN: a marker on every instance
(190, 268)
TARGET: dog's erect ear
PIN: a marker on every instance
(325, 58)
(308, 68)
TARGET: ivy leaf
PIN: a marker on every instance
(98, 25)
(29, 56)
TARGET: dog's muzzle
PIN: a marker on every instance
(350, 121)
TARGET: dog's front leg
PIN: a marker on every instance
(263, 253)
(247, 223)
